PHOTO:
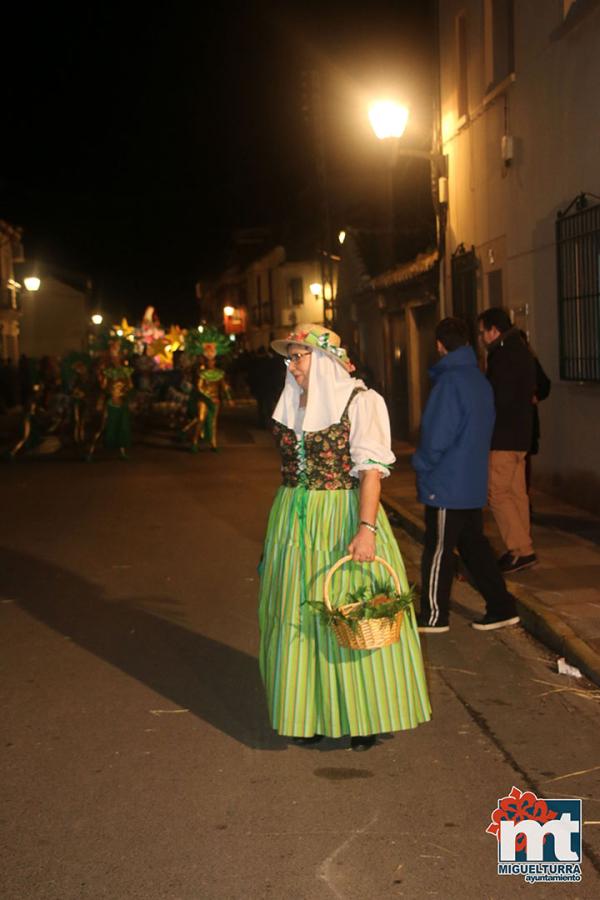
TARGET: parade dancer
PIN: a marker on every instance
(115, 423)
(210, 388)
(77, 381)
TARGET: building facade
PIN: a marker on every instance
(11, 252)
(388, 321)
(265, 298)
(279, 295)
(519, 87)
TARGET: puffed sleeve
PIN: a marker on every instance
(370, 437)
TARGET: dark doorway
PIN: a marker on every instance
(464, 288)
(495, 291)
(398, 385)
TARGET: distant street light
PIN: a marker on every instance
(228, 310)
(388, 119)
(97, 319)
(32, 283)
(342, 237)
(315, 288)
(200, 328)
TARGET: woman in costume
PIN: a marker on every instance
(76, 378)
(334, 439)
(209, 389)
(115, 381)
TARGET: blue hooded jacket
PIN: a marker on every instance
(456, 431)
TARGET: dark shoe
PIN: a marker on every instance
(307, 741)
(516, 563)
(425, 628)
(362, 743)
(506, 558)
(490, 623)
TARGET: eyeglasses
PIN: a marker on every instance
(295, 357)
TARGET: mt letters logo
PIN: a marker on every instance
(539, 839)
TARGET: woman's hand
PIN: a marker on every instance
(362, 545)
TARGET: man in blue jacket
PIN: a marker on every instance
(452, 479)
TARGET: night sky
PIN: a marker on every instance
(139, 138)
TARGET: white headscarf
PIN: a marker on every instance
(330, 388)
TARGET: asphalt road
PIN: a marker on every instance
(137, 759)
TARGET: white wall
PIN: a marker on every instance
(54, 319)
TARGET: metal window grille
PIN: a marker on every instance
(578, 274)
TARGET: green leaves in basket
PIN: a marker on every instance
(381, 601)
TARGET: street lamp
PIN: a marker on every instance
(32, 283)
(388, 119)
(97, 319)
(315, 288)
(342, 236)
(228, 310)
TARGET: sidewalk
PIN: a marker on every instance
(559, 599)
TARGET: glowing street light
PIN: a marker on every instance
(97, 319)
(388, 119)
(200, 328)
(342, 236)
(32, 283)
(315, 288)
(228, 310)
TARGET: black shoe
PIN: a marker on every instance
(490, 623)
(505, 559)
(307, 741)
(516, 563)
(425, 628)
(362, 743)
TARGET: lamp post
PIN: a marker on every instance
(388, 121)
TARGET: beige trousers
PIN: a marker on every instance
(508, 500)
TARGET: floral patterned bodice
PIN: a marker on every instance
(318, 460)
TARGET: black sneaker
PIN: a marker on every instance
(425, 628)
(490, 623)
(506, 558)
(516, 563)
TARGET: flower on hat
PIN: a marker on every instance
(319, 338)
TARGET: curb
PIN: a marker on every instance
(540, 621)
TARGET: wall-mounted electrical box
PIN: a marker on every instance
(508, 148)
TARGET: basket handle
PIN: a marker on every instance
(345, 559)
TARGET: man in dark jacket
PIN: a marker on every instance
(511, 372)
(452, 478)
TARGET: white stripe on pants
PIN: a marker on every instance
(435, 568)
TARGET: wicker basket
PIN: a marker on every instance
(363, 634)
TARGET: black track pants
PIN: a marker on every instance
(446, 529)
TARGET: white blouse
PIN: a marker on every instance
(370, 436)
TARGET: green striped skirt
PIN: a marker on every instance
(314, 686)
